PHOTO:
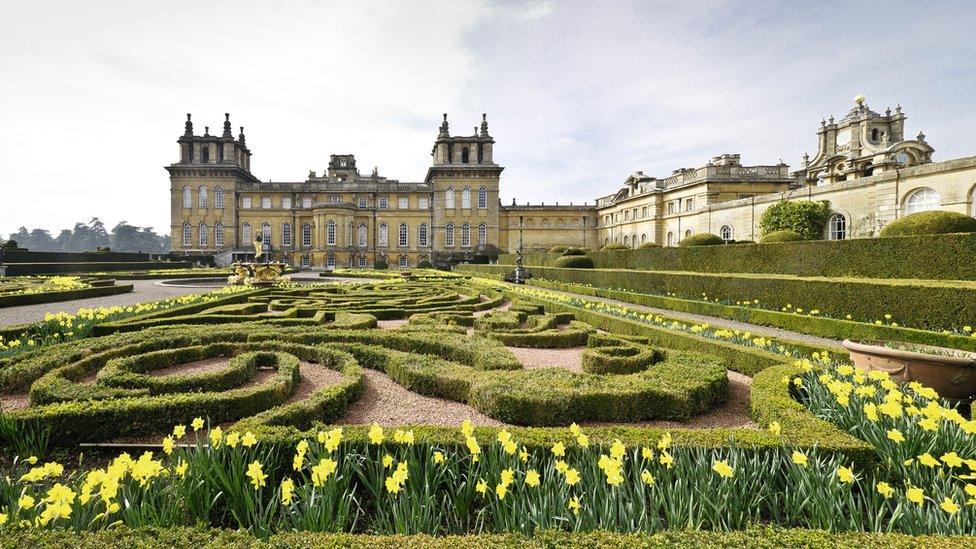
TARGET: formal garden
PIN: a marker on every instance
(591, 406)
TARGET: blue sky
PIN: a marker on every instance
(578, 94)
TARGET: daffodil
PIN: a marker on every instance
(256, 474)
(915, 495)
(532, 478)
(248, 440)
(949, 506)
(800, 458)
(845, 475)
(287, 491)
(572, 476)
(197, 424)
(574, 505)
(558, 449)
(723, 469)
(375, 434)
(774, 428)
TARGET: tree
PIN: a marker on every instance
(804, 217)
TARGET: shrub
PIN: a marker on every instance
(381, 265)
(425, 264)
(557, 249)
(936, 222)
(574, 251)
(575, 262)
(614, 246)
(781, 236)
(9, 245)
(804, 217)
(702, 239)
(742, 242)
(648, 245)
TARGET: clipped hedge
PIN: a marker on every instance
(16, 269)
(702, 239)
(66, 295)
(929, 223)
(574, 262)
(782, 236)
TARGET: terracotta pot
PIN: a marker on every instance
(953, 377)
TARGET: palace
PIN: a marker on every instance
(863, 167)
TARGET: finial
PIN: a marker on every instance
(859, 99)
(188, 131)
(831, 119)
(898, 108)
(206, 131)
(921, 136)
(888, 111)
(484, 125)
(476, 131)
(241, 136)
(227, 132)
(444, 132)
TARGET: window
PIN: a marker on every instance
(246, 202)
(362, 261)
(246, 233)
(627, 215)
(402, 263)
(725, 232)
(205, 154)
(689, 204)
(203, 232)
(306, 261)
(187, 234)
(349, 238)
(404, 236)
(286, 234)
(362, 235)
(423, 203)
(644, 212)
(362, 203)
(837, 227)
(625, 240)
(219, 197)
(307, 234)
(482, 234)
(330, 262)
(449, 198)
(266, 202)
(922, 200)
(306, 202)
(384, 202)
(482, 197)
(330, 233)
(187, 198)
(384, 236)
(973, 206)
(266, 232)
(219, 234)
(464, 155)
(687, 233)
(449, 235)
(670, 239)
(466, 197)
(643, 238)
(465, 235)
(422, 235)
(404, 203)
(202, 197)
(285, 202)
(333, 199)
(670, 207)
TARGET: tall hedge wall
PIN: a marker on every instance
(18, 269)
(946, 257)
(931, 305)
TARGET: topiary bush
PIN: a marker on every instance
(742, 242)
(935, 222)
(574, 251)
(381, 265)
(574, 262)
(804, 217)
(425, 264)
(782, 236)
(648, 245)
(557, 249)
(702, 239)
(614, 246)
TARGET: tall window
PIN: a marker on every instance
(670, 239)
(625, 240)
(286, 234)
(246, 202)
(219, 197)
(384, 236)
(404, 236)
(837, 227)
(362, 261)
(922, 200)
(306, 202)
(466, 197)
(246, 234)
(402, 263)
(383, 203)
(482, 234)
(187, 197)
(307, 234)
(973, 206)
(349, 236)
(266, 232)
(643, 238)
(330, 233)
(403, 203)
(449, 198)
(362, 235)
(306, 261)
(187, 234)
(205, 154)
(266, 202)
(423, 203)
(202, 197)
(687, 233)
(465, 156)
(725, 232)
(219, 234)
(449, 235)
(465, 235)
(203, 233)
(330, 262)
(362, 203)
(285, 202)
(422, 235)
(482, 197)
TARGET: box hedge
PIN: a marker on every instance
(929, 223)
(65, 295)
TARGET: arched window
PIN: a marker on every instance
(633, 240)
(362, 235)
(404, 236)
(449, 198)
(202, 197)
(725, 232)
(187, 234)
(465, 235)
(219, 197)
(837, 227)
(464, 155)
(449, 235)
(643, 238)
(219, 234)
(384, 236)
(625, 240)
(482, 234)
(466, 197)
(687, 233)
(349, 236)
(670, 240)
(422, 235)
(266, 232)
(203, 232)
(205, 154)
(307, 234)
(330, 233)
(187, 197)
(973, 205)
(246, 234)
(482, 197)
(286, 234)
(922, 200)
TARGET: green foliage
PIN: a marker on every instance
(381, 265)
(64, 295)
(574, 262)
(613, 246)
(574, 251)
(648, 245)
(702, 239)
(557, 249)
(425, 264)
(929, 223)
(781, 236)
(807, 218)
(9, 245)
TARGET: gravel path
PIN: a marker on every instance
(713, 321)
(570, 358)
(142, 291)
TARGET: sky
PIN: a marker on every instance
(579, 95)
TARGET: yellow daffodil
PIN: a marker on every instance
(168, 445)
(256, 474)
(949, 506)
(723, 469)
(558, 449)
(248, 440)
(845, 475)
(885, 489)
(481, 487)
(179, 431)
(375, 434)
(572, 476)
(532, 478)
(438, 457)
(895, 435)
(574, 505)
(774, 428)
(287, 491)
(915, 495)
(197, 424)
(800, 458)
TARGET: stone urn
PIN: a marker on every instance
(951, 372)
